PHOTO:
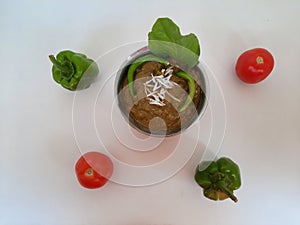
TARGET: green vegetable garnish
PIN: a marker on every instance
(153, 58)
(166, 40)
(72, 70)
(139, 62)
(192, 89)
(219, 179)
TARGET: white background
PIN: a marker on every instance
(37, 143)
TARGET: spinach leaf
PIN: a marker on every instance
(166, 40)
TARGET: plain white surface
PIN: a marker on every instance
(37, 143)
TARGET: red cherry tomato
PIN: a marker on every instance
(93, 169)
(254, 65)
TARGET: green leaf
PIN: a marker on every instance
(166, 40)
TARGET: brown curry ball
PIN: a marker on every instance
(139, 110)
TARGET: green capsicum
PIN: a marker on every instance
(219, 179)
(153, 58)
(74, 71)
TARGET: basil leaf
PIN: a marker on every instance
(166, 40)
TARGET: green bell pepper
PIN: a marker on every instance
(219, 179)
(74, 71)
(153, 58)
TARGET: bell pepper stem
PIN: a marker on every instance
(58, 65)
(228, 192)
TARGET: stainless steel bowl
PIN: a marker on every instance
(122, 74)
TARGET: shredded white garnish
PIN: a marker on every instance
(157, 87)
